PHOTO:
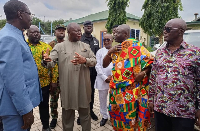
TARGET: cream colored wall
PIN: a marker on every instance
(135, 25)
(100, 26)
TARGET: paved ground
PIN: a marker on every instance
(95, 125)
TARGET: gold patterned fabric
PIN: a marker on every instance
(46, 76)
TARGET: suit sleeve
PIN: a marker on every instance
(12, 69)
(91, 59)
(99, 66)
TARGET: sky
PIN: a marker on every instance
(66, 9)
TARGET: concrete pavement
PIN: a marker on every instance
(95, 125)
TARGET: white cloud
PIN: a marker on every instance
(66, 9)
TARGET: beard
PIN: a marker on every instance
(61, 37)
(36, 41)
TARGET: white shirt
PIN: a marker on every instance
(102, 73)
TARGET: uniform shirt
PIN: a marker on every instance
(53, 43)
(174, 81)
(44, 73)
(102, 73)
(94, 45)
(74, 79)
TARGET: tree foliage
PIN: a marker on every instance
(157, 13)
(117, 13)
(2, 23)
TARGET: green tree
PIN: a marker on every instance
(117, 13)
(35, 21)
(46, 26)
(157, 13)
(2, 23)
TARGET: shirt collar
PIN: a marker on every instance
(33, 44)
(13, 28)
(182, 45)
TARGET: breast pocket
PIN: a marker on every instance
(63, 56)
(84, 53)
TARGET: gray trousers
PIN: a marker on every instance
(68, 117)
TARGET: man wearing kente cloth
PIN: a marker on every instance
(128, 107)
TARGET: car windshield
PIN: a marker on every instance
(192, 38)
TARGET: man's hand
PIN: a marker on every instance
(197, 117)
(116, 48)
(28, 120)
(151, 110)
(139, 77)
(45, 57)
(108, 79)
(53, 87)
(78, 59)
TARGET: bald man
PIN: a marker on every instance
(46, 79)
(128, 107)
(103, 77)
(74, 58)
(174, 82)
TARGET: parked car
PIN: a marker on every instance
(47, 38)
(192, 37)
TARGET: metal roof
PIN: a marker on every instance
(100, 16)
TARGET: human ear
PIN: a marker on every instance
(19, 14)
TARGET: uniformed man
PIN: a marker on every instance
(94, 45)
(60, 35)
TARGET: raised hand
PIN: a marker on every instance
(45, 57)
(78, 59)
(116, 48)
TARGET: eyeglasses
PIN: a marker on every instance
(168, 29)
(31, 15)
(107, 39)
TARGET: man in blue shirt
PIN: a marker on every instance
(20, 90)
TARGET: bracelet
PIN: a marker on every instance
(145, 74)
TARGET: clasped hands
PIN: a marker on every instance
(78, 59)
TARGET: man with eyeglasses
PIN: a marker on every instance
(60, 35)
(46, 76)
(103, 77)
(94, 45)
(20, 89)
(174, 82)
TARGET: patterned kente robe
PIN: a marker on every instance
(128, 107)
